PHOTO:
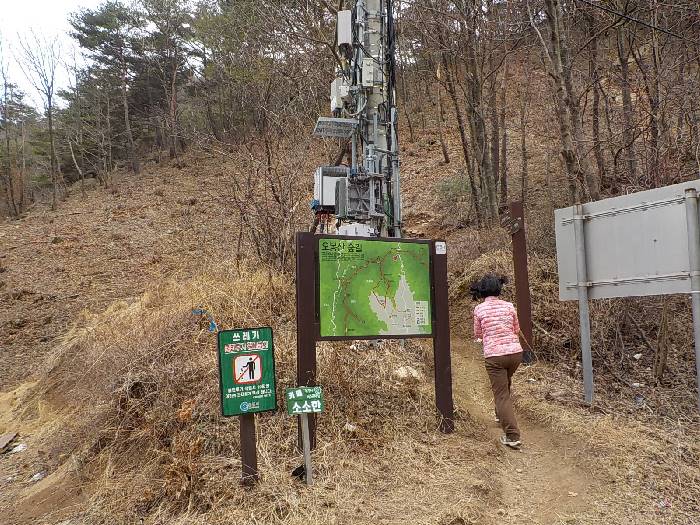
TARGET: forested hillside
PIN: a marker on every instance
(617, 83)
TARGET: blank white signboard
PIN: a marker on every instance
(635, 245)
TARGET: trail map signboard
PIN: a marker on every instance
(374, 288)
(246, 371)
(351, 288)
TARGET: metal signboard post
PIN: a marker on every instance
(513, 220)
(691, 214)
(351, 288)
(247, 385)
(642, 244)
(584, 315)
(302, 401)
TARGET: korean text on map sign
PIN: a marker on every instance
(304, 400)
(374, 288)
(246, 371)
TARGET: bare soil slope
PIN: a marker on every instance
(100, 248)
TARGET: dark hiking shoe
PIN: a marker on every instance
(511, 443)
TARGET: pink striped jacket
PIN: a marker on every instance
(496, 322)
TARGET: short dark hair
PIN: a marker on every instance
(490, 285)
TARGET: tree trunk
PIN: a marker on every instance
(463, 136)
(627, 110)
(477, 124)
(77, 167)
(135, 165)
(595, 121)
(441, 124)
(173, 110)
(23, 175)
(523, 143)
(653, 98)
(404, 95)
(575, 169)
(110, 164)
(591, 181)
(504, 137)
(658, 113)
(495, 132)
(52, 154)
(9, 183)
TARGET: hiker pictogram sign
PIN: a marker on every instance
(247, 369)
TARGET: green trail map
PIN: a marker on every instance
(374, 288)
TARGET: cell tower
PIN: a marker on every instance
(363, 198)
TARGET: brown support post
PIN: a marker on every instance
(522, 283)
(441, 339)
(249, 454)
(306, 320)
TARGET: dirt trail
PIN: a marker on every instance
(541, 484)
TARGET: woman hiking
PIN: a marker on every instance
(496, 323)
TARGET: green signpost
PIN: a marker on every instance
(374, 288)
(302, 401)
(246, 371)
(247, 385)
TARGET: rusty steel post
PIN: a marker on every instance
(522, 282)
(306, 319)
(249, 454)
(441, 339)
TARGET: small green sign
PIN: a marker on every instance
(304, 400)
(246, 371)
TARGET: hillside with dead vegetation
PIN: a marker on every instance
(120, 414)
(162, 202)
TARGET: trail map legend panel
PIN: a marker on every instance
(374, 288)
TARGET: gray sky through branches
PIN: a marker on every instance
(45, 17)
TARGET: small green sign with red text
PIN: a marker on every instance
(246, 371)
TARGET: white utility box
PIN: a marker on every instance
(345, 28)
(357, 229)
(339, 92)
(325, 180)
(368, 72)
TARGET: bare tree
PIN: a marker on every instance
(567, 105)
(8, 179)
(74, 125)
(624, 50)
(40, 60)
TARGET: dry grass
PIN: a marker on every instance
(140, 380)
(621, 329)
(137, 383)
(651, 468)
(642, 433)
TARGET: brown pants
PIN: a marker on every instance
(501, 370)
